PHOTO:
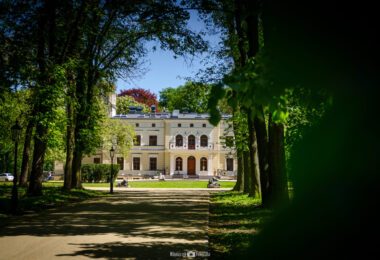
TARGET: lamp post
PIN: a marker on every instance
(112, 154)
(16, 133)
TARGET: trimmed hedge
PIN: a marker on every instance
(98, 172)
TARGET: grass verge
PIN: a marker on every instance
(164, 184)
(145, 184)
(52, 197)
(234, 220)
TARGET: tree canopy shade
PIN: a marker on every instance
(64, 50)
(334, 167)
(192, 97)
(259, 104)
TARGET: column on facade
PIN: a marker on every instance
(172, 164)
(209, 166)
(184, 163)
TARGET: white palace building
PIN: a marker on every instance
(172, 143)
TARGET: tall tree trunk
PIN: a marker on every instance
(239, 30)
(76, 182)
(81, 122)
(85, 94)
(234, 23)
(70, 131)
(263, 148)
(252, 144)
(26, 154)
(70, 141)
(247, 177)
(45, 48)
(278, 178)
(252, 27)
(253, 156)
(258, 129)
(239, 186)
(30, 167)
(35, 184)
(70, 49)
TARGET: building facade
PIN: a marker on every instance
(173, 143)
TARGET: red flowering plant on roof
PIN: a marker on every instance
(142, 96)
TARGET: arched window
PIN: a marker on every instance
(191, 141)
(203, 164)
(204, 140)
(179, 140)
(178, 164)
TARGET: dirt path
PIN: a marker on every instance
(145, 224)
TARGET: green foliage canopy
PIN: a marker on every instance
(192, 96)
(123, 103)
(118, 133)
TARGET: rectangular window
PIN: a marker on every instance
(153, 125)
(204, 125)
(137, 140)
(137, 124)
(153, 140)
(136, 163)
(97, 160)
(230, 164)
(120, 161)
(179, 125)
(153, 163)
(191, 125)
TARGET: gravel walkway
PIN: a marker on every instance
(134, 224)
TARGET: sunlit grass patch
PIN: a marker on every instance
(164, 184)
(234, 198)
(235, 218)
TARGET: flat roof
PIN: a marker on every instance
(181, 116)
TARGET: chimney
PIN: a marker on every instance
(139, 110)
(153, 108)
(132, 109)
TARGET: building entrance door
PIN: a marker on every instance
(191, 165)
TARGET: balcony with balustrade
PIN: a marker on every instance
(187, 146)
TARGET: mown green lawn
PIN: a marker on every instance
(234, 220)
(144, 184)
(164, 184)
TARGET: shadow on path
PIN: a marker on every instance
(140, 224)
(125, 250)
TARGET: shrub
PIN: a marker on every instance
(98, 172)
(87, 173)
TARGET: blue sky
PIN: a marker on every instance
(163, 70)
